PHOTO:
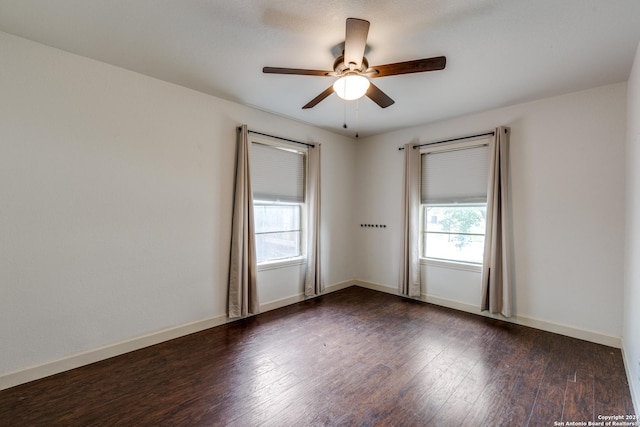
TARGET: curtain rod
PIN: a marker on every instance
(451, 140)
(279, 137)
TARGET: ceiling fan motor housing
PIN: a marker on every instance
(341, 68)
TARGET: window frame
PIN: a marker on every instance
(302, 258)
(300, 230)
(440, 262)
(423, 235)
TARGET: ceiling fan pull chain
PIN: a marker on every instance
(357, 116)
(344, 123)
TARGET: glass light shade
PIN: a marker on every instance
(351, 86)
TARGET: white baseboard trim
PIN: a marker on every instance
(340, 286)
(301, 297)
(32, 373)
(273, 305)
(633, 384)
(569, 331)
(95, 355)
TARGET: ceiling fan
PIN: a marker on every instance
(354, 72)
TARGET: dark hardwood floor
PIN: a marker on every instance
(351, 358)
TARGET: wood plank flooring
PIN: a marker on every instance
(355, 357)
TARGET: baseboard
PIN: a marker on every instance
(32, 373)
(633, 385)
(95, 355)
(273, 305)
(91, 356)
(569, 331)
(339, 286)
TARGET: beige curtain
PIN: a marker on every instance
(243, 294)
(410, 263)
(496, 277)
(313, 284)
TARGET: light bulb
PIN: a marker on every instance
(351, 86)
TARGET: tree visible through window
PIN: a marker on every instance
(454, 232)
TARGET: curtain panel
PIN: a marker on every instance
(313, 284)
(243, 292)
(409, 284)
(496, 275)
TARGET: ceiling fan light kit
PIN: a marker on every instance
(353, 71)
(351, 87)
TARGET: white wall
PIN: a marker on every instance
(116, 198)
(567, 173)
(116, 201)
(631, 330)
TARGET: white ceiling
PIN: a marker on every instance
(499, 52)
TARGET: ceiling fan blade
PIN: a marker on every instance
(355, 41)
(416, 66)
(298, 71)
(315, 101)
(378, 96)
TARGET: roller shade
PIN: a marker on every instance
(277, 174)
(457, 176)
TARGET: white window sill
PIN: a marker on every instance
(281, 263)
(456, 265)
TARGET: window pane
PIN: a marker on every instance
(274, 246)
(454, 247)
(454, 232)
(278, 234)
(276, 217)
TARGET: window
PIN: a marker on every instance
(278, 182)
(454, 232)
(278, 232)
(454, 201)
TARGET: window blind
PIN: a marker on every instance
(277, 174)
(457, 176)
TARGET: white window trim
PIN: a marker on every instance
(462, 145)
(436, 262)
(285, 262)
(455, 265)
(281, 263)
(278, 143)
